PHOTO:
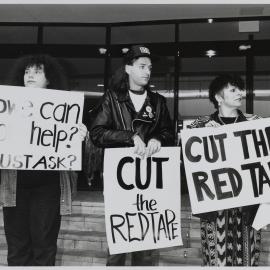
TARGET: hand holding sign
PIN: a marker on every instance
(82, 131)
(153, 147)
(212, 123)
(139, 146)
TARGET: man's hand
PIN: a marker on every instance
(139, 146)
(212, 123)
(82, 131)
(153, 147)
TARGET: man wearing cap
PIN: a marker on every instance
(131, 115)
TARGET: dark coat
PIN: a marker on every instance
(116, 121)
(248, 211)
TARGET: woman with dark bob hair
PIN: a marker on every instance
(227, 237)
(33, 201)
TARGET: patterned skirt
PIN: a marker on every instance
(227, 241)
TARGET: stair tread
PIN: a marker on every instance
(81, 216)
(82, 253)
(83, 233)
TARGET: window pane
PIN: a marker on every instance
(18, 34)
(85, 74)
(142, 34)
(264, 32)
(211, 31)
(5, 65)
(74, 35)
(196, 75)
(262, 82)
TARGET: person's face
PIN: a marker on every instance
(139, 73)
(230, 97)
(34, 76)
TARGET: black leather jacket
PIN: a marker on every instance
(116, 121)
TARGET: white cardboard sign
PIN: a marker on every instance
(39, 129)
(142, 200)
(228, 166)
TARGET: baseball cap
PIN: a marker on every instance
(137, 51)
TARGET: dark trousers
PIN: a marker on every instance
(32, 226)
(138, 258)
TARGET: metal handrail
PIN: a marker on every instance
(184, 94)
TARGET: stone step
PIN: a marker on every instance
(92, 222)
(179, 261)
(96, 221)
(180, 251)
(96, 240)
(69, 257)
(98, 258)
(264, 259)
(82, 240)
(81, 257)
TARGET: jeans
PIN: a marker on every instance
(32, 226)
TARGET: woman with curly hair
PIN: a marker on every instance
(35, 200)
(227, 237)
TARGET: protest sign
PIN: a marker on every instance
(228, 166)
(142, 200)
(39, 129)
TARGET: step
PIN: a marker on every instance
(264, 259)
(81, 240)
(77, 239)
(90, 222)
(180, 251)
(179, 261)
(96, 258)
(180, 256)
(69, 257)
(96, 222)
(81, 257)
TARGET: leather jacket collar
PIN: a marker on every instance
(123, 96)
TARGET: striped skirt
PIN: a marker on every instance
(227, 241)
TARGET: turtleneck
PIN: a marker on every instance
(137, 92)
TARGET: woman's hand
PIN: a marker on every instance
(212, 123)
(82, 131)
(153, 147)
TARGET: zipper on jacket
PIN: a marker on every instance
(136, 119)
(121, 115)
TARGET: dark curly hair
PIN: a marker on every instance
(221, 82)
(54, 72)
(119, 81)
